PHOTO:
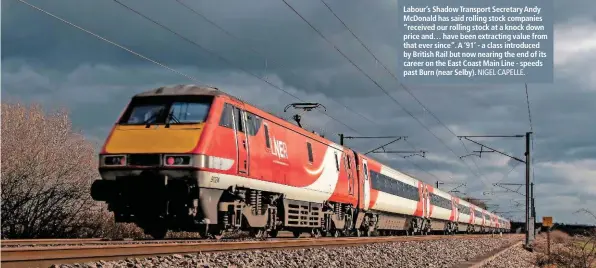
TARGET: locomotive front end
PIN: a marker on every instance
(150, 161)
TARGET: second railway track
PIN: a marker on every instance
(46, 256)
(49, 242)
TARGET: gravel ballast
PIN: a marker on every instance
(438, 253)
(514, 257)
(233, 237)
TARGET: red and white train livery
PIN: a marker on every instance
(194, 158)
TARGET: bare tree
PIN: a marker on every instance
(46, 171)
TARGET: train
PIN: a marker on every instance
(194, 158)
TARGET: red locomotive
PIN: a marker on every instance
(194, 158)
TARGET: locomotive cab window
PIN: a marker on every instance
(309, 149)
(167, 110)
(336, 162)
(188, 113)
(227, 120)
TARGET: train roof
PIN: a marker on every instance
(191, 89)
(177, 90)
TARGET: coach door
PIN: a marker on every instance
(455, 208)
(349, 174)
(241, 141)
(425, 201)
(366, 184)
(472, 215)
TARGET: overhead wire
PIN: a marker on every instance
(397, 80)
(110, 42)
(508, 172)
(215, 54)
(227, 32)
(114, 43)
(170, 68)
(147, 58)
(414, 148)
(252, 49)
(377, 84)
(412, 94)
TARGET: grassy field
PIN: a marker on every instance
(587, 247)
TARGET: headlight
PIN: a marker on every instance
(177, 160)
(114, 160)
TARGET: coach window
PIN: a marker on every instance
(466, 210)
(226, 119)
(267, 142)
(309, 148)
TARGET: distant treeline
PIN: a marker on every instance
(571, 229)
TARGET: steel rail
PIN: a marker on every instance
(99, 241)
(47, 256)
(49, 241)
(85, 241)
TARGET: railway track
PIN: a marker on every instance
(98, 241)
(9, 243)
(46, 256)
(32, 242)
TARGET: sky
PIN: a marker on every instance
(257, 49)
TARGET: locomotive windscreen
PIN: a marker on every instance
(167, 110)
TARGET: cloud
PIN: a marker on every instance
(574, 40)
(580, 174)
(575, 49)
(47, 61)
